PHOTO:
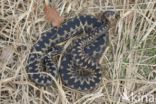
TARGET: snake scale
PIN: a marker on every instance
(79, 68)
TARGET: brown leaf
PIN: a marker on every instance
(53, 16)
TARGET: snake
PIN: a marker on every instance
(79, 67)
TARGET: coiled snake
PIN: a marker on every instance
(79, 68)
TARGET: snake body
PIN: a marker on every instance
(79, 68)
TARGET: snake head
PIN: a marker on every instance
(109, 17)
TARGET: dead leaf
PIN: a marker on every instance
(53, 16)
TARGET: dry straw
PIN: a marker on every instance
(129, 63)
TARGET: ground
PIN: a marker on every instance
(129, 62)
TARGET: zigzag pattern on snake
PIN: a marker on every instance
(79, 68)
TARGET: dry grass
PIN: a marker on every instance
(129, 64)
